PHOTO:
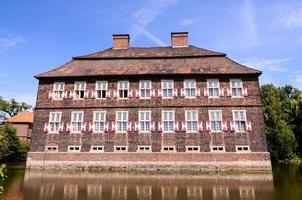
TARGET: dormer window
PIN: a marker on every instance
(123, 87)
(79, 90)
(58, 90)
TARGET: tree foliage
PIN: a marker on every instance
(12, 107)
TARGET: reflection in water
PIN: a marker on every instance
(66, 185)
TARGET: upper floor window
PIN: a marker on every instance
(191, 121)
(236, 86)
(54, 121)
(216, 120)
(145, 87)
(167, 88)
(101, 89)
(190, 88)
(121, 121)
(123, 87)
(168, 121)
(77, 118)
(99, 118)
(239, 118)
(58, 90)
(213, 87)
(145, 120)
(79, 89)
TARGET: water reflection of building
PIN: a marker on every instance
(119, 192)
(47, 190)
(247, 193)
(194, 193)
(94, 191)
(144, 192)
(168, 192)
(71, 191)
(220, 193)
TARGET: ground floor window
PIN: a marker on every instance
(144, 149)
(96, 149)
(217, 148)
(51, 148)
(120, 148)
(168, 149)
(192, 149)
(242, 148)
(74, 148)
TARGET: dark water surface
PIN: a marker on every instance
(285, 183)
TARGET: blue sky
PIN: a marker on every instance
(36, 36)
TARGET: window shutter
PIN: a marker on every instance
(248, 126)
(197, 92)
(182, 92)
(46, 127)
(160, 93)
(176, 127)
(137, 93)
(160, 126)
(206, 92)
(130, 95)
(229, 92)
(152, 126)
(200, 126)
(208, 126)
(86, 94)
(183, 126)
(50, 95)
(108, 94)
(152, 93)
(175, 93)
(224, 126)
(115, 94)
(83, 127)
(129, 126)
(221, 92)
(244, 92)
(232, 126)
(106, 127)
(61, 127)
(65, 96)
(113, 126)
(93, 94)
(68, 129)
(91, 127)
(71, 94)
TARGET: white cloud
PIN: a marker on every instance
(152, 37)
(249, 23)
(271, 65)
(292, 16)
(7, 43)
(187, 22)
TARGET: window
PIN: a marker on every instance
(215, 119)
(144, 120)
(144, 149)
(145, 87)
(120, 148)
(79, 89)
(101, 89)
(58, 90)
(96, 149)
(168, 121)
(51, 148)
(54, 122)
(168, 149)
(242, 148)
(167, 87)
(213, 87)
(121, 121)
(123, 87)
(217, 148)
(192, 149)
(236, 86)
(74, 148)
(99, 118)
(76, 121)
(191, 121)
(239, 118)
(190, 88)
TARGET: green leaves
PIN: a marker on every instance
(12, 107)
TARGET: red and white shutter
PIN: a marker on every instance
(224, 126)
(197, 92)
(137, 93)
(108, 94)
(175, 126)
(106, 127)
(200, 126)
(152, 93)
(46, 127)
(206, 92)
(86, 94)
(221, 92)
(83, 127)
(71, 94)
(65, 95)
(208, 126)
(182, 92)
(183, 126)
(130, 95)
(160, 93)
(244, 92)
(152, 126)
(229, 92)
(91, 127)
(93, 94)
(113, 126)
(137, 127)
(175, 93)
(232, 126)
(115, 94)
(160, 126)
(50, 95)
(129, 126)
(68, 127)
(61, 127)
(248, 126)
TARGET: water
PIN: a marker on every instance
(286, 183)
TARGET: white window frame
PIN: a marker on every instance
(52, 150)
(218, 87)
(243, 151)
(168, 151)
(122, 121)
(194, 150)
(217, 146)
(144, 121)
(58, 122)
(162, 88)
(74, 146)
(121, 151)
(187, 124)
(234, 121)
(119, 83)
(59, 91)
(71, 128)
(93, 150)
(142, 86)
(100, 121)
(97, 89)
(190, 88)
(215, 121)
(144, 150)
(75, 90)
(237, 87)
(163, 121)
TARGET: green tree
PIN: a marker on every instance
(296, 105)
(12, 107)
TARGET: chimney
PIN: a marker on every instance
(179, 39)
(121, 41)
